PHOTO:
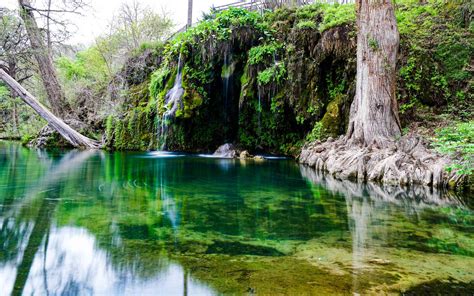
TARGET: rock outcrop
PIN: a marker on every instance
(226, 151)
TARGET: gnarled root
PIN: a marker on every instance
(405, 162)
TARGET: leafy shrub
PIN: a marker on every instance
(306, 25)
(458, 141)
(336, 15)
(260, 54)
(275, 73)
(316, 133)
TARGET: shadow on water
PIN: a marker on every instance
(81, 222)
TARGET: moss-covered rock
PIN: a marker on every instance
(268, 82)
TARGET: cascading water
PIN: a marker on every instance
(172, 101)
(226, 77)
(259, 110)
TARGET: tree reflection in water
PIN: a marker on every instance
(372, 213)
(135, 223)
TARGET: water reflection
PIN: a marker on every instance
(41, 258)
(374, 210)
(70, 263)
(77, 222)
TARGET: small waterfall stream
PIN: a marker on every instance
(259, 110)
(227, 81)
(172, 98)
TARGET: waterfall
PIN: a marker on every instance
(173, 99)
(226, 75)
(259, 110)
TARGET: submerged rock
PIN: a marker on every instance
(226, 151)
(439, 287)
(245, 155)
(237, 248)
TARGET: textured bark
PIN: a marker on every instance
(372, 149)
(69, 134)
(374, 111)
(190, 14)
(42, 55)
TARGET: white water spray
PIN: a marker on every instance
(172, 102)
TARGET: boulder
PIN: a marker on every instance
(226, 151)
(245, 155)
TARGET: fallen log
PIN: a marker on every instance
(76, 139)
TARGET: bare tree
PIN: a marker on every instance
(43, 57)
(137, 23)
(15, 51)
(15, 55)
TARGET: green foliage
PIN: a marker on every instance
(323, 16)
(219, 27)
(155, 46)
(109, 127)
(316, 133)
(72, 69)
(337, 15)
(309, 12)
(310, 25)
(158, 80)
(263, 53)
(88, 64)
(4, 92)
(458, 141)
(436, 50)
(276, 74)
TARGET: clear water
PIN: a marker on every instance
(98, 223)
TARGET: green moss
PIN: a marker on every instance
(283, 86)
(191, 100)
(158, 80)
(306, 25)
(332, 119)
(337, 15)
(109, 129)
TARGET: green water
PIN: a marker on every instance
(98, 223)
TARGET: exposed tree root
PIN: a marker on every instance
(404, 162)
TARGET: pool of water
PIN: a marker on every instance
(99, 223)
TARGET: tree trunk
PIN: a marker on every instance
(12, 72)
(374, 111)
(41, 53)
(373, 149)
(15, 118)
(190, 14)
(69, 134)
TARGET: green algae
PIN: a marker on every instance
(238, 248)
(236, 227)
